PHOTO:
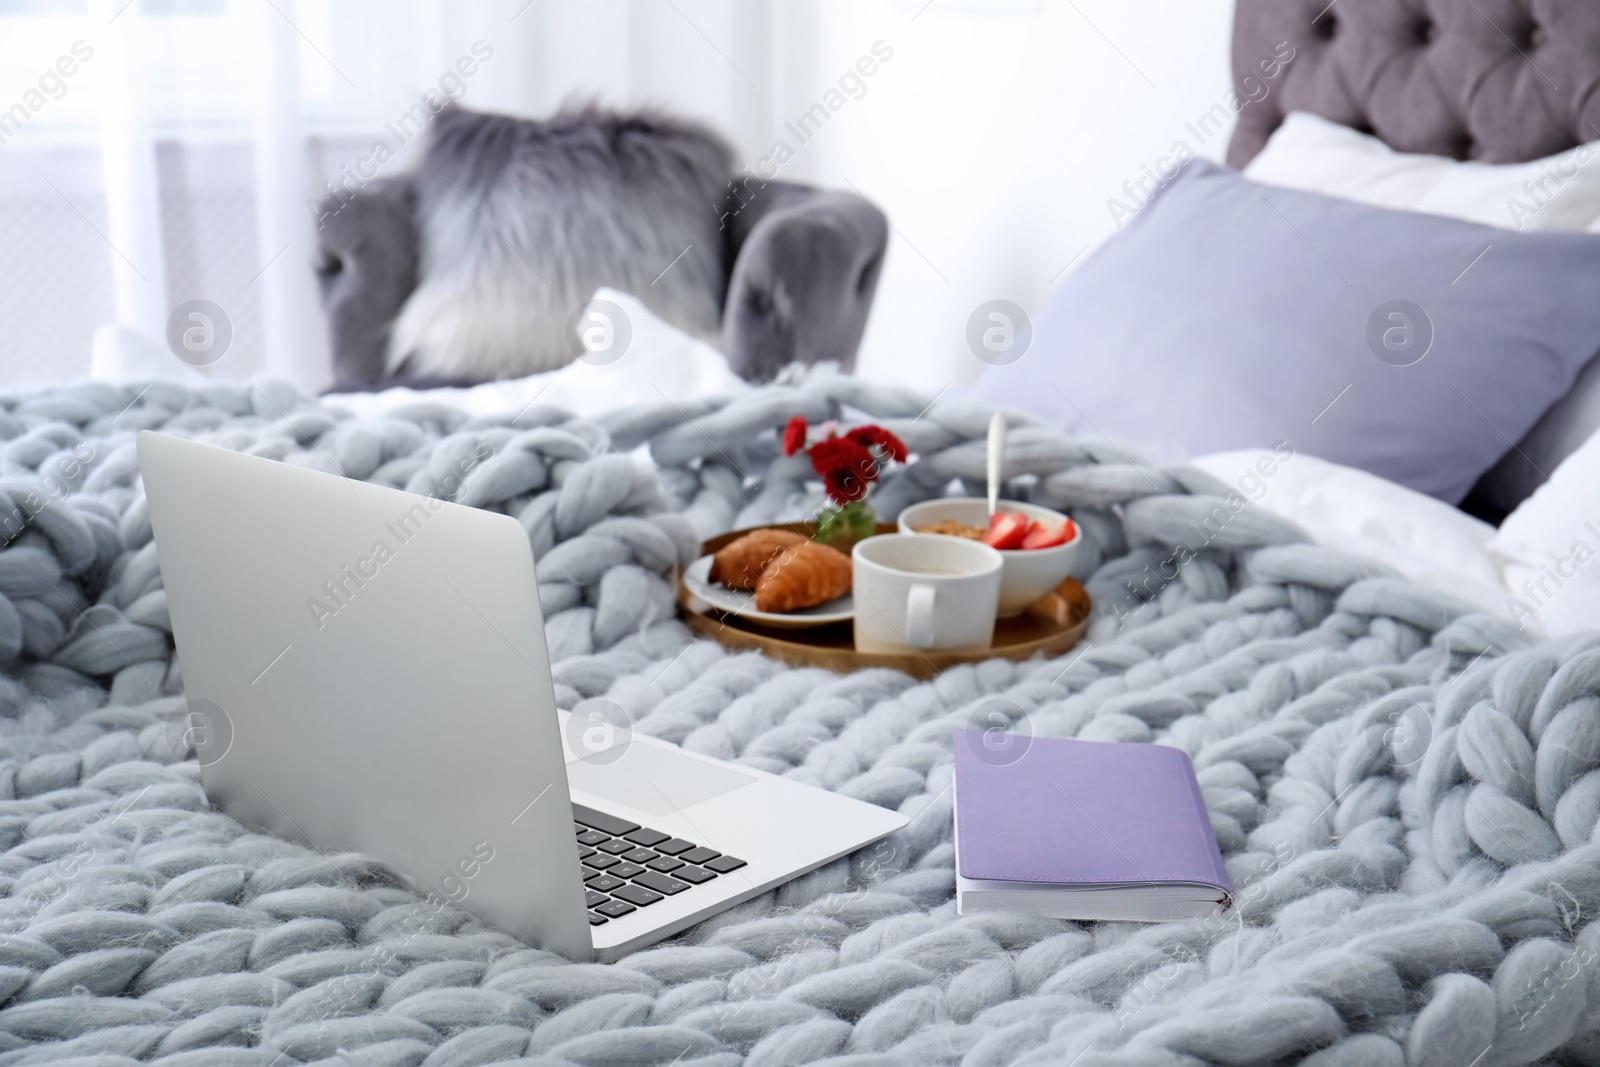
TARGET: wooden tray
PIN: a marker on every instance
(1050, 626)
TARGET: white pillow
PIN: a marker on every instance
(1561, 192)
(1548, 549)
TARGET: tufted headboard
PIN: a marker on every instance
(1503, 81)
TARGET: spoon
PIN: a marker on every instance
(997, 454)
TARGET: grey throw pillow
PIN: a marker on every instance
(1229, 314)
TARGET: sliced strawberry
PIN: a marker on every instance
(1006, 530)
(1043, 536)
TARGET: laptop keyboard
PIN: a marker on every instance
(627, 866)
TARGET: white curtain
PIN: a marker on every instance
(181, 158)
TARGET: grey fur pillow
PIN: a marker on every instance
(520, 221)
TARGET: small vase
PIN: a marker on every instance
(842, 525)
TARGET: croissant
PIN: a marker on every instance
(803, 576)
(739, 564)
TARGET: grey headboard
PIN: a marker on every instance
(1504, 81)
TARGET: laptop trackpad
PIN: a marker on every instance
(654, 780)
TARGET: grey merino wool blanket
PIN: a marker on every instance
(1405, 792)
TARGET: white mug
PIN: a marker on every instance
(924, 593)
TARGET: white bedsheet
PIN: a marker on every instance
(1548, 550)
(1424, 539)
(661, 363)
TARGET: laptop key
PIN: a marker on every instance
(599, 820)
(673, 846)
(591, 837)
(591, 898)
(596, 920)
(664, 863)
(616, 846)
(699, 855)
(626, 870)
(724, 864)
(616, 909)
(635, 895)
(646, 836)
(584, 853)
(694, 874)
(604, 883)
(639, 855)
(600, 861)
(660, 883)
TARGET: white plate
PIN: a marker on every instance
(742, 603)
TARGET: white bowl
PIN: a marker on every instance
(1026, 574)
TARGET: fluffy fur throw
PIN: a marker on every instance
(521, 221)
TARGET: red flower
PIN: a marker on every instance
(847, 468)
(849, 464)
(794, 435)
(845, 486)
(892, 446)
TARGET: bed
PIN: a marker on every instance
(1502, 83)
(1405, 786)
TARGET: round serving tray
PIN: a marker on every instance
(1050, 626)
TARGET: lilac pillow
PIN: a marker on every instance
(1229, 314)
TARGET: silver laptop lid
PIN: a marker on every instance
(369, 671)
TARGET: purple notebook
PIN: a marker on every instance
(1083, 829)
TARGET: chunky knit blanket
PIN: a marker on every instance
(1405, 792)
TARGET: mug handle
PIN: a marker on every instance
(919, 616)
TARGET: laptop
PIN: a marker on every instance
(366, 669)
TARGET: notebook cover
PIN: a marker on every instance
(1060, 811)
